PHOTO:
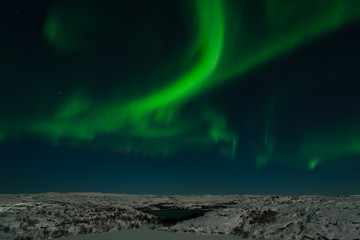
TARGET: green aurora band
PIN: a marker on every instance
(152, 116)
(225, 48)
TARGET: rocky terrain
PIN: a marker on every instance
(282, 218)
(53, 215)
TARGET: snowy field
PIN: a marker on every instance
(54, 215)
(147, 234)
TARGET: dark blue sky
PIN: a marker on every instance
(32, 169)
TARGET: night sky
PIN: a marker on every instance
(180, 97)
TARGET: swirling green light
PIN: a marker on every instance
(151, 116)
(230, 42)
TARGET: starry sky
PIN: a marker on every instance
(180, 97)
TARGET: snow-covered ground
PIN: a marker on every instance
(148, 234)
(53, 215)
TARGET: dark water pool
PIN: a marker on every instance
(166, 214)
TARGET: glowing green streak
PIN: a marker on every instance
(332, 145)
(67, 24)
(328, 16)
(73, 108)
(219, 132)
(211, 36)
(313, 163)
(264, 156)
(211, 21)
(51, 29)
(55, 33)
(218, 126)
(156, 115)
(151, 116)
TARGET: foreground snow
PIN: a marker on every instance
(147, 234)
(53, 215)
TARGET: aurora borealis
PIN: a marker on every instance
(223, 84)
